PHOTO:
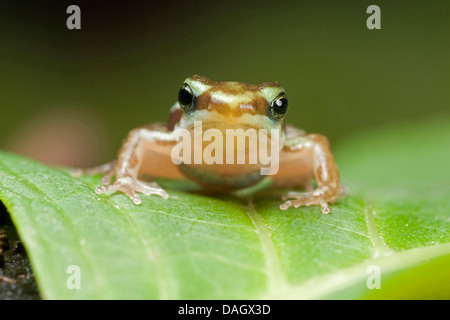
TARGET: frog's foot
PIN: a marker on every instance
(343, 190)
(108, 169)
(316, 197)
(130, 186)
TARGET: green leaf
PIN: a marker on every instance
(195, 245)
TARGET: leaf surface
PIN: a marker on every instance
(396, 219)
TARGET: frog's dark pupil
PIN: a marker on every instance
(280, 105)
(185, 97)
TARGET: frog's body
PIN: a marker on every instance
(225, 106)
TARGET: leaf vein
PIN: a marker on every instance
(379, 246)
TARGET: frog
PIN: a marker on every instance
(147, 150)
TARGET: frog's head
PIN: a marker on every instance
(231, 104)
(250, 111)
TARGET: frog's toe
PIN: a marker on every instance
(107, 169)
(106, 179)
(152, 184)
(135, 198)
(130, 186)
(305, 199)
(295, 195)
(104, 189)
(123, 185)
(151, 188)
(76, 172)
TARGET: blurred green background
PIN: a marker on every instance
(69, 97)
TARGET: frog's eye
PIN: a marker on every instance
(279, 106)
(185, 97)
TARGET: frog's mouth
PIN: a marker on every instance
(223, 126)
(216, 120)
(230, 130)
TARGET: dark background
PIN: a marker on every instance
(70, 96)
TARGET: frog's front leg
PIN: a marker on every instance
(126, 169)
(304, 157)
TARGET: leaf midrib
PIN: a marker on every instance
(275, 276)
(379, 246)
